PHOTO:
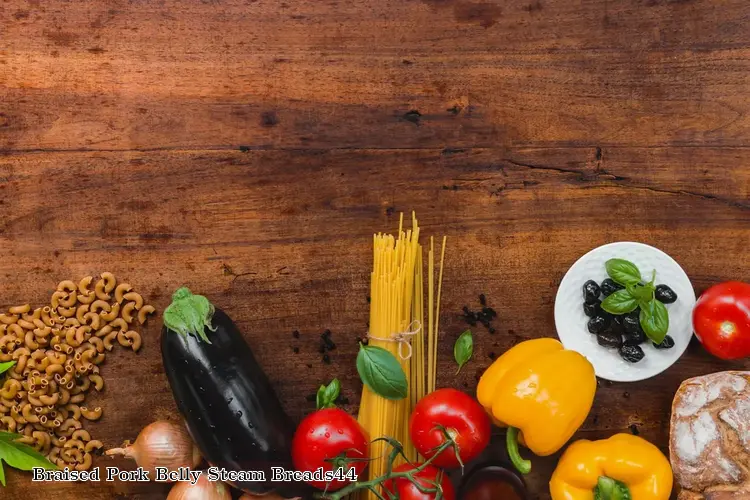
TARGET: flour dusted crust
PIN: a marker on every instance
(709, 438)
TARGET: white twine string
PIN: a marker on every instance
(402, 338)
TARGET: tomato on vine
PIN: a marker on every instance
(330, 438)
(457, 414)
(429, 478)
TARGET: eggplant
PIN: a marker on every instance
(227, 401)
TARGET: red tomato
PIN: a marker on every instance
(461, 415)
(323, 435)
(721, 320)
(427, 477)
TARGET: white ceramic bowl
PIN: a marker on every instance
(570, 319)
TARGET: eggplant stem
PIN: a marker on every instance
(189, 314)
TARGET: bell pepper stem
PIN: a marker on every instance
(511, 440)
(610, 489)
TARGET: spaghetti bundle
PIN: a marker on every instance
(397, 316)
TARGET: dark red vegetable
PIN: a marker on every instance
(230, 407)
(455, 413)
(721, 320)
(427, 478)
(325, 435)
(492, 481)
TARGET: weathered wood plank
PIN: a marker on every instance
(458, 73)
(281, 240)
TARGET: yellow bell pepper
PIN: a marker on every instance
(622, 463)
(540, 389)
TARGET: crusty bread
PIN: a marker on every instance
(709, 437)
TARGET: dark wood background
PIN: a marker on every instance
(249, 149)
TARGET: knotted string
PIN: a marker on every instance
(402, 338)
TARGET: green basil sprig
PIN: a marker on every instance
(463, 349)
(654, 320)
(623, 272)
(17, 455)
(653, 317)
(20, 456)
(381, 372)
(4, 367)
(620, 302)
(327, 394)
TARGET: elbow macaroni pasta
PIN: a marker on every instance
(57, 349)
(120, 292)
(83, 285)
(134, 297)
(127, 311)
(134, 338)
(144, 312)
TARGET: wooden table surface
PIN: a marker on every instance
(249, 149)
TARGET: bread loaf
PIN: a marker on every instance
(709, 438)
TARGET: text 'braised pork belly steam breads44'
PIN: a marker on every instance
(709, 438)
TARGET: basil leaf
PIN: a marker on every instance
(20, 456)
(623, 271)
(654, 320)
(327, 394)
(619, 302)
(381, 372)
(4, 367)
(9, 436)
(463, 349)
(641, 293)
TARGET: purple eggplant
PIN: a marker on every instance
(227, 401)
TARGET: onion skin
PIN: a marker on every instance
(268, 496)
(203, 489)
(161, 444)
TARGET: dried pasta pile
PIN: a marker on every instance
(58, 350)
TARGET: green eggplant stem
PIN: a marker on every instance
(189, 314)
(511, 441)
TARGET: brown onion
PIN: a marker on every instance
(203, 489)
(267, 496)
(161, 444)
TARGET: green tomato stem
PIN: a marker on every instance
(511, 441)
(373, 483)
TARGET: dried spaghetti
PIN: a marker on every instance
(397, 313)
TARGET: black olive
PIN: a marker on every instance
(613, 324)
(619, 318)
(667, 343)
(592, 310)
(609, 286)
(597, 324)
(634, 338)
(609, 339)
(636, 314)
(632, 324)
(591, 292)
(631, 353)
(664, 294)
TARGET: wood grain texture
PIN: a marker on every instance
(250, 149)
(415, 73)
